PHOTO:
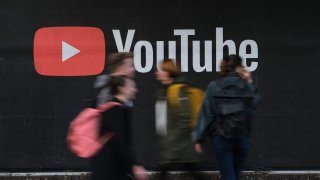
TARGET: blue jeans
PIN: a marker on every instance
(230, 155)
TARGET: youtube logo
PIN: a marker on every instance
(69, 51)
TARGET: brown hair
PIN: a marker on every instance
(115, 82)
(230, 63)
(171, 67)
(115, 60)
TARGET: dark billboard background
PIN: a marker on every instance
(35, 110)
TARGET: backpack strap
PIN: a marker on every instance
(194, 96)
(102, 108)
(107, 105)
(173, 94)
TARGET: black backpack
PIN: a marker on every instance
(232, 104)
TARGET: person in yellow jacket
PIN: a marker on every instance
(173, 123)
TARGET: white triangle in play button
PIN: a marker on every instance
(68, 51)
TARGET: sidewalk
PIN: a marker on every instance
(210, 175)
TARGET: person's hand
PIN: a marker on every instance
(244, 74)
(198, 148)
(139, 172)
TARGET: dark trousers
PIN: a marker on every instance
(189, 167)
(108, 165)
(230, 155)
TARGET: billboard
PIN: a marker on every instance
(38, 100)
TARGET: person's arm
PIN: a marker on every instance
(206, 116)
(246, 75)
(123, 145)
(256, 100)
(121, 139)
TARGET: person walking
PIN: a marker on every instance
(116, 159)
(173, 120)
(118, 64)
(226, 116)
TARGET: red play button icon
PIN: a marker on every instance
(69, 51)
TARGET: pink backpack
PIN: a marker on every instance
(83, 136)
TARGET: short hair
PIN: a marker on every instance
(230, 63)
(115, 82)
(115, 60)
(171, 67)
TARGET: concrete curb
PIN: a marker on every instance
(174, 175)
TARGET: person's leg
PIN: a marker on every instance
(163, 171)
(127, 176)
(223, 151)
(191, 167)
(240, 154)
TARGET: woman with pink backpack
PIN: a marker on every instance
(115, 161)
